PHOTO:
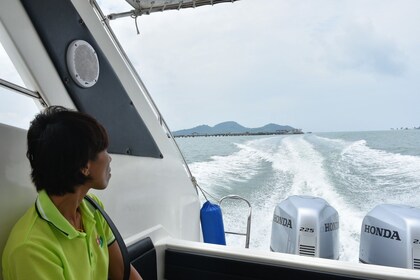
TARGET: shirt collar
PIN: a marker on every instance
(48, 212)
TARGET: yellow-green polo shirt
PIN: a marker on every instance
(44, 245)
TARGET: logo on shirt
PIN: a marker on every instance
(100, 241)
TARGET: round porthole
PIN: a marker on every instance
(83, 63)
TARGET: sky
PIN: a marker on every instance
(325, 65)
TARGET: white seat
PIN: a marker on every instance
(17, 193)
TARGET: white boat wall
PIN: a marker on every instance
(151, 196)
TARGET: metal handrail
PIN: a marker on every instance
(247, 234)
(22, 90)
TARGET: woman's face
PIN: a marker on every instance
(99, 171)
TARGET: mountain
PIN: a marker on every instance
(232, 127)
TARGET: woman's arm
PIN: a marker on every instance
(116, 264)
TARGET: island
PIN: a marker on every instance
(231, 128)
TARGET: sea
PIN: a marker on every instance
(352, 171)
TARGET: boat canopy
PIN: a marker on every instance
(145, 7)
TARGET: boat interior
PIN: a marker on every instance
(152, 197)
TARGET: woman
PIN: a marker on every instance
(62, 236)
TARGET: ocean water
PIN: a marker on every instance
(352, 171)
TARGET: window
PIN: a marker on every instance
(15, 109)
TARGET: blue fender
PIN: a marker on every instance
(212, 223)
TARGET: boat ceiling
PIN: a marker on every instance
(150, 6)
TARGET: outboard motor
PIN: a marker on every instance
(305, 225)
(390, 235)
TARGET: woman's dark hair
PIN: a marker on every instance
(60, 144)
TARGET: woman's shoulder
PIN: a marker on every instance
(25, 231)
(25, 224)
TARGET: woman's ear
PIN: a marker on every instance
(85, 170)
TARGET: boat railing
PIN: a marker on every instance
(247, 234)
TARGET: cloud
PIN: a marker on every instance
(356, 46)
(252, 64)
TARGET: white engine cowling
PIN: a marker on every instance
(305, 225)
(390, 235)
